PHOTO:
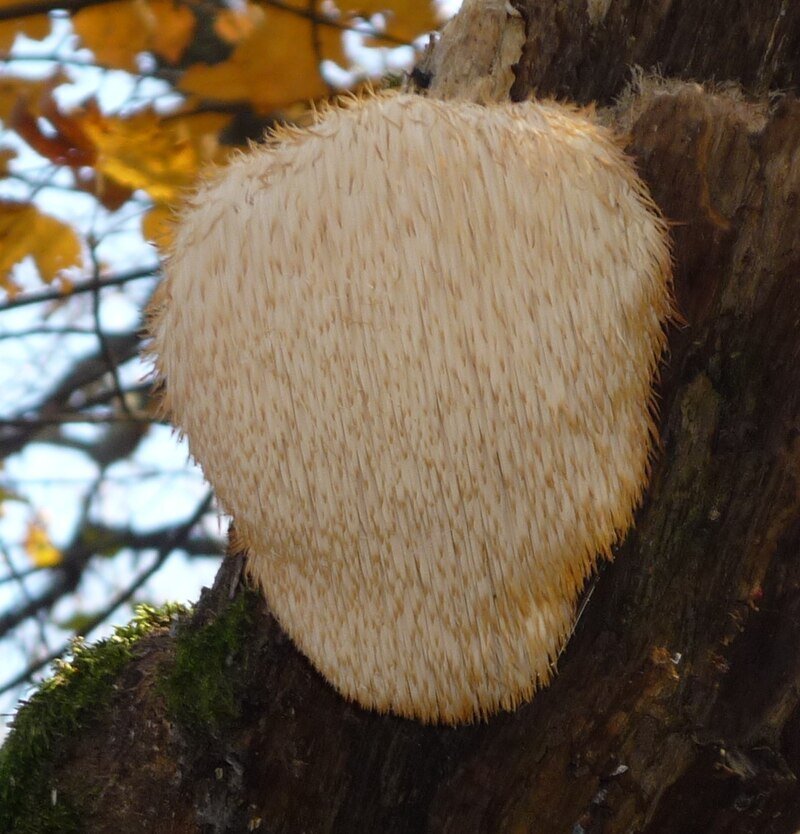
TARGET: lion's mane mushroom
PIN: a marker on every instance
(413, 349)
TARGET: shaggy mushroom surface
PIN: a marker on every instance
(413, 349)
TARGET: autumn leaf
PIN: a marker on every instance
(157, 226)
(160, 156)
(275, 65)
(36, 27)
(172, 29)
(201, 129)
(14, 90)
(53, 144)
(113, 156)
(41, 551)
(277, 54)
(234, 25)
(114, 32)
(118, 32)
(22, 106)
(57, 247)
(24, 230)
(110, 194)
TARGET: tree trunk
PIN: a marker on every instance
(675, 708)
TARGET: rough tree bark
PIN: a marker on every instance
(676, 704)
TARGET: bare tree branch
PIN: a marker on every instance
(176, 540)
(47, 331)
(111, 365)
(66, 419)
(54, 407)
(22, 10)
(26, 299)
(324, 20)
(66, 578)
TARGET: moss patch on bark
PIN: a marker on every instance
(46, 725)
(201, 691)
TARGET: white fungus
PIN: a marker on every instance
(413, 349)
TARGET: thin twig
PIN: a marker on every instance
(21, 10)
(126, 480)
(324, 20)
(47, 331)
(174, 543)
(15, 575)
(26, 299)
(101, 337)
(161, 74)
(316, 43)
(68, 419)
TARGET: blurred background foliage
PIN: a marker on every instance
(110, 112)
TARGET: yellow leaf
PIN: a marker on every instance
(36, 27)
(158, 226)
(172, 29)
(24, 231)
(55, 247)
(118, 32)
(277, 64)
(12, 90)
(41, 551)
(277, 51)
(142, 151)
(202, 130)
(234, 25)
(114, 32)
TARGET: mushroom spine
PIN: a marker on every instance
(413, 349)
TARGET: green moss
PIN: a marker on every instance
(54, 715)
(201, 692)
